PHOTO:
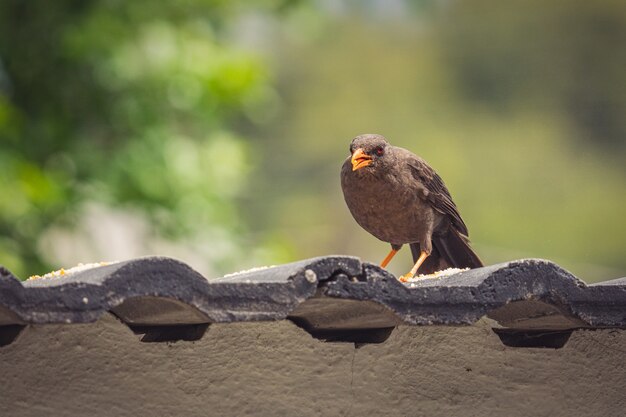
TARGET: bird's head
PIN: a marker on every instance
(367, 151)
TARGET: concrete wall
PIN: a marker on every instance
(277, 369)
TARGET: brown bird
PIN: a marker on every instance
(397, 197)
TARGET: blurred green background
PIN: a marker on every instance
(214, 131)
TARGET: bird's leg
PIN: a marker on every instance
(425, 245)
(394, 249)
(388, 258)
(420, 261)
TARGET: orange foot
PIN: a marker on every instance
(406, 277)
(416, 267)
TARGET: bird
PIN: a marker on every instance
(396, 196)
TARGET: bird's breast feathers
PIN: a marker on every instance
(383, 207)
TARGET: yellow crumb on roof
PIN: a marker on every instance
(255, 269)
(438, 274)
(63, 272)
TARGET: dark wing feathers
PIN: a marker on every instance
(438, 195)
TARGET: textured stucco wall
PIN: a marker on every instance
(276, 369)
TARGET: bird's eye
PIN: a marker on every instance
(380, 151)
(351, 150)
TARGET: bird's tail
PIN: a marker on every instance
(450, 250)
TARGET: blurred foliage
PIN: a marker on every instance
(498, 97)
(566, 57)
(222, 125)
(125, 103)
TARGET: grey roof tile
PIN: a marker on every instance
(326, 294)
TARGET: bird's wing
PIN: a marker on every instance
(436, 192)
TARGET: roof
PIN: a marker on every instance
(516, 339)
(322, 295)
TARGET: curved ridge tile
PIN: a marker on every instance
(10, 292)
(617, 282)
(133, 289)
(602, 305)
(272, 293)
(465, 297)
(324, 267)
(7, 277)
(83, 296)
(158, 311)
(526, 293)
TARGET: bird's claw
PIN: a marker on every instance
(406, 277)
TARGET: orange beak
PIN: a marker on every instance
(360, 159)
